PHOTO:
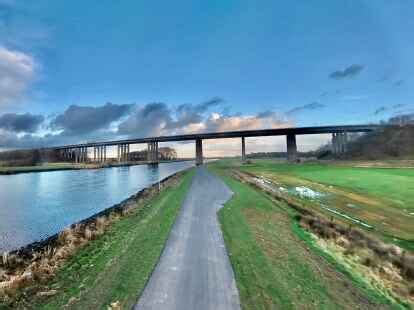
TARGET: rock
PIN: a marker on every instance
(47, 293)
(72, 300)
(343, 242)
(396, 250)
(115, 306)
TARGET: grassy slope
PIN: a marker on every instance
(389, 193)
(273, 266)
(393, 185)
(116, 266)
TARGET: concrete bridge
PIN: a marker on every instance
(79, 152)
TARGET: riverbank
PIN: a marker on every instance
(109, 257)
(5, 170)
(48, 167)
(285, 253)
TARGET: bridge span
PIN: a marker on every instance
(79, 152)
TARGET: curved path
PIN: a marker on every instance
(194, 271)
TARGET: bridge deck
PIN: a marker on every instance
(233, 134)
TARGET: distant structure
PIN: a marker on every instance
(164, 153)
(83, 152)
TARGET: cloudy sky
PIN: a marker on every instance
(76, 71)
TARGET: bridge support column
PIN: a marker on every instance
(77, 155)
(292, 150)
(243, 157)
(149, 152)
(339, 142)
(345, 141)
(152, 152)
(122, 152)
(84, 154)
(100, 150)
(199, 152)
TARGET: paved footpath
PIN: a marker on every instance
(194, 271)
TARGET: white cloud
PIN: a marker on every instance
(17, 72)
(217, 123)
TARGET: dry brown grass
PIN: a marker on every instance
(386, 265)
(18, 272)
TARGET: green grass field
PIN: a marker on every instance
(395, 186)
(116, 266)
(381, 197)
(274, 267)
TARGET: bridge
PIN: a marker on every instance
(79, 152)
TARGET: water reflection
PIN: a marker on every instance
(36, 205)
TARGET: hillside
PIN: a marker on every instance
(395, 142)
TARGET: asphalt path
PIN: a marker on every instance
(194, 271)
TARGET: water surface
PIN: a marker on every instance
(34, 206)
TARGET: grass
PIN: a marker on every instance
(274, 267)
(115, 267)
(383, 198)
(395, 186)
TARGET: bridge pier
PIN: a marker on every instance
(339, 142)
(292, 150)
(100, 153)
(152, 153)
(84, 154)
(243, 157)
(77, 155)
(118, 152)
(123, 152)
(199, 152)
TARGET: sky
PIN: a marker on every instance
(76, 71)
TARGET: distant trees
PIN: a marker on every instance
(36, 157)
(26, 157)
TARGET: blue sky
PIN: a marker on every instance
(308, 62)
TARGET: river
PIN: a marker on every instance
(34, 206)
